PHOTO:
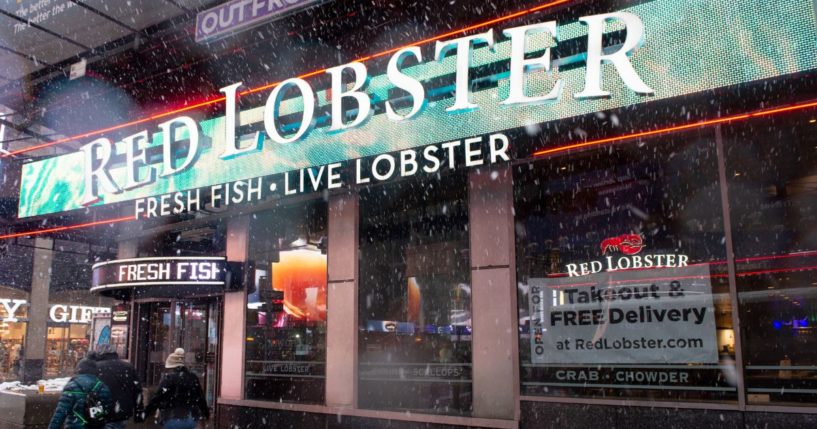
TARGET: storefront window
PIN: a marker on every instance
(14, 284)
(622, 280)
(286, 307)
(771, 169)
(415, 297)
(72, 310)
(70, 313)
(72, 319)
(65, 346)
(13, 317)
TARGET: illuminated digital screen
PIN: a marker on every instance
(164, 276)
(689, 47)
(301, 275)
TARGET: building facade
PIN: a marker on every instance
(550, 213)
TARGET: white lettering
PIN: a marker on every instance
(97, 172)
(407, 83)
(462, 46)
(135, 155)
(520, 65)
(170, 131)
(11, 306)
(364, 104)
(231, 144)
(595, 56)
(274, 103)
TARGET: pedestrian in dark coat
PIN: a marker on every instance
(73, 396)
(126, 390)
(179, 397)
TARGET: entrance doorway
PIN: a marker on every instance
(192, 325)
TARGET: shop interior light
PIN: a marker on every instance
(208, 102)
(300, 242)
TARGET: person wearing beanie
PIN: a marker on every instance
(179, 397)
(73, 397)
(120, 377)
(175, 359)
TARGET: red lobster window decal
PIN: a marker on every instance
(628, 244)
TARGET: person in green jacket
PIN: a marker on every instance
(72, 400)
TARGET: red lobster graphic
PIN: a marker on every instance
(628, 244)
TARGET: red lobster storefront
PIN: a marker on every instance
(594, 212)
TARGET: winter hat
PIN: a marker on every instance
(86, 366)
(175, 359)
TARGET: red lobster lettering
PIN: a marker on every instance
(628, 244)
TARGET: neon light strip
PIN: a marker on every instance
(266, 86)
(68, 227)
(706, 123)
(788, 255)
(721, 262)
(775, 271)
(714, 276)
(756, 114)
(624, 281)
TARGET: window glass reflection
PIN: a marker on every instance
(772, 175)
(415, 297)
(622, 275)
(286, 309)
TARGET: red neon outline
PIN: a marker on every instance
(714, 276)
(68, 227)
(776, 270)
(805, 254)
(787, 255)
(273, 84)
(706, 123)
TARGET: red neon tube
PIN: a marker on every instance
(67, 227)
(682, 127)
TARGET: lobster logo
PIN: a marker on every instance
(628, 244)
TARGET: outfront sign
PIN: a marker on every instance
(166, 273)
(666, 50)
(237, 15)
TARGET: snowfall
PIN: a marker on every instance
(54, 385)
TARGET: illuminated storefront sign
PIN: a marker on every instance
(473, 152)
(182, 271)
(660, 64)
(120, 316)
(658, 310)
(57, 313)
(300, 275)
(630, 246)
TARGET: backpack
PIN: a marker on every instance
(94, 410)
